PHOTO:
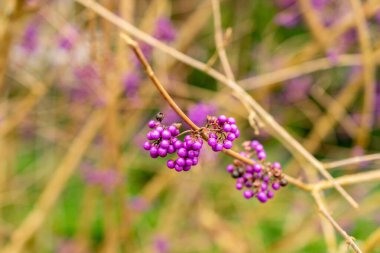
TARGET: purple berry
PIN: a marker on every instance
(147, 145)
(218, 147)
(170, 164)
(166, 135)
(222, 119)
(159, 129)
(227, 144)
(276, 186)
(212, 142)
(254, 144)
(270, 194)
(182, 152)
(264, 186)
(233, 128)
(186, 168)
(195, 161)
(259, 148)
(178, 144)
(178, 168)
(248, 194)
(153, 152)
(262, 197)
(276, 165)
(180, 162)
(152, 124)
(230, 168)
(227, 127)
(173, 130)
(231, 120)
(189, 162)
(261, 155)
(190, 154)
(257, 167)
(231, 136)
(154, 135)
(164, 144)
(239, 186)
(197, 145)
(162, 152)
(171, 149)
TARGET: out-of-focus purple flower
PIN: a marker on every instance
(198, 113)
(170, 116)
(131, 82)
(297, 88)
(377, 17)
(350, 37)
(107, 179)
(319, 4)
(161, 245)
(164, 30)
(138, 204)
(68, 37)
(284, 3)
(288, 18)
(87, 74)
(29, 40)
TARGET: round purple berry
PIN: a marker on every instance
(222, 119)
(197, 145)
(154, 135)
(227, 127)
(170, 164)
(182, 152)
(231, 120)
(276, 186)
(180, 161)
(262, 197)
(248, 194)
(166, 135)
(147, 145)
(261, 155)
(231, 136)
(164, 144)
(152, 124)
(162, 152)
(212, 142)
(227, 144)
(230, 168)
(270, 194)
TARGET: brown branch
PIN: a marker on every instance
(136, 49)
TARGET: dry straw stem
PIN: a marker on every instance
(308, 51)
(301, 69)
(55, 186)
(323, 210)
(350, 179)
(280, 133)
(353, 160)
(319, 32)
(22, 108)
(372, 241)
(368, 74)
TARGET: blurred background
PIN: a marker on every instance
(74, 104)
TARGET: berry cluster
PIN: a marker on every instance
(161, 138)
(188, 153)
(222, 132)
(260, 179)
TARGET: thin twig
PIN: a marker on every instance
(353, 160)
(350, 179)
(368, 74)
(325, 213)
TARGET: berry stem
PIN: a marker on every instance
(148, 69)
